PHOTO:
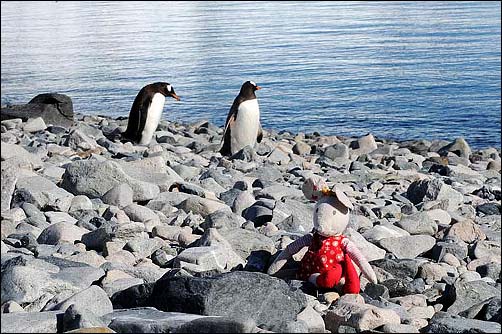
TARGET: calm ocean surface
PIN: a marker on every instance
(400, 70)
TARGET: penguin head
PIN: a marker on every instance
(168, 90)
(248, 88)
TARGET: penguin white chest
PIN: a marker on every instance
(153, 118)
(246, 126)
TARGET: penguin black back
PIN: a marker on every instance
(138, 115)
(246, 93)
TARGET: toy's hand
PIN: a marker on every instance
(279, 262)
(359, 260)
(291, 249)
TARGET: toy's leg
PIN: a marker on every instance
(352, 283)
(330, 278)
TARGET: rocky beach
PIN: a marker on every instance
(101, 235)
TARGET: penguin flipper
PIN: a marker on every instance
(137, 117)
(142, 117)
(260, 134)
(231, 117)
(225, 148)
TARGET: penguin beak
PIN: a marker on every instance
(174, 96)
(258, 87)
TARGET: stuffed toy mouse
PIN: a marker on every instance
(328, 261)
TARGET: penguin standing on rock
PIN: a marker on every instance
(243, 126)
(146, 111)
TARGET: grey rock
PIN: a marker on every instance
(454, 246)
(443, 322)
(246, 242)
(459, 146)
(294, 210)
(489, 208)
(378, 232)
(358, 315)
(79, 316)
(202, 206)
(267, 173)
(335, 151)
(19, 156)
(162, 258)
(431, 272)
(80, 202)
(365, 144)
(34, 125)
(5, 248)
(97, 239)
(301, 148)
(467, 294)
(400, 268)
(186, 172)
(139, 213)
(491, 270)
(94, 178)
(418, 223)
(434, 190)
(278, 192)
(93, 298)
(77, 140)
(402, 287)
(32, 322)
(279, 155)
(206, 258)
(247, 153)
(56, 109)
(54, 217)
(222, 219)
(265, 299)
(42, 193)
(120, 284)
(142, 247)
(408, 247)
(313, 320)
(376, 290)
(11, 307)
(129, 230)
(61, 232)
(492, 310)
(148, 319)
(25, 280)
(258, 214)
(120, 195)
(370, 251)
(8, 182)
(486, 249)
(399, 328)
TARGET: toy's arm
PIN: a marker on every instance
(360, 260)
(290, 250)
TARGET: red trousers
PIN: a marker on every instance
(330, 278)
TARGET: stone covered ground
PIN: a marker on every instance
(171, 237)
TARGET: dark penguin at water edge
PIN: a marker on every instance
(242, 127)
(146, 112)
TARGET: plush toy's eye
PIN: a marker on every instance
(334, 212)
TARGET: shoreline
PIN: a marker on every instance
(319, 133)
(102, 233)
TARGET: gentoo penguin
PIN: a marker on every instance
(243, 126)
(146, 111)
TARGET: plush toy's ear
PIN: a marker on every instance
(313, 188)
(340, 195)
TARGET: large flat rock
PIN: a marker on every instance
(265, 299)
